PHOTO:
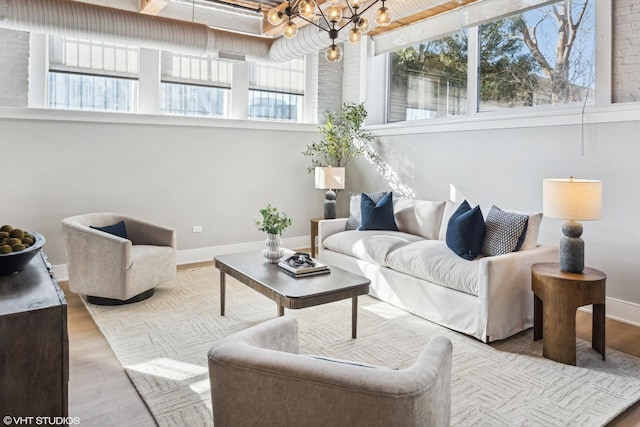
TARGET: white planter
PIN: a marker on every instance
(273, 252)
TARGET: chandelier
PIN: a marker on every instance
(331, 20)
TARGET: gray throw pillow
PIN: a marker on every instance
(504, 232)
(353, 223)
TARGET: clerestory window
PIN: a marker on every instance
(195, 85)
(276, 90)
(91, 75)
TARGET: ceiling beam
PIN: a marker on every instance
(427, 13)
(152, 7)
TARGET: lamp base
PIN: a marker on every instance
(330, 205)
(572, 248)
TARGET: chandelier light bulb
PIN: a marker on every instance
(307, 9)
(290, 30)
(334, 53)
(383, 16)
(355, 35)
(355, 3)
(274, 16)
(334, 14)
(333, 1)
(363, 25)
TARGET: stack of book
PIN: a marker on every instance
(307, 269)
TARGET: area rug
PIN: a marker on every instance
(163, 342)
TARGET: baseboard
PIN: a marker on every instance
(192, 256)
(622, 311)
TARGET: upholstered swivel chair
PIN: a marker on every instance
(122, 264)
(258, 378)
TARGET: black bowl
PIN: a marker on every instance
(18, 261)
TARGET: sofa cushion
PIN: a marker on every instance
(504, 232)
(533, 226)
(449, 208)
(419, 217)
(465, 231)
(377, 215)
(371, 246)
(117, 229)
(354, 207)
(530, 238)
(533, 229)
(345, 362)
(433, 261)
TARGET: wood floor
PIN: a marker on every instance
(100, 392)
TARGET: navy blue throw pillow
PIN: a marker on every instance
(465, 231)
(117, 229)
(377, 216)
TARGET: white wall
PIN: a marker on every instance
(177, 172)
(493, 164)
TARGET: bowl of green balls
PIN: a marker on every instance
(17, 248)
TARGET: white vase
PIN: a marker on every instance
(273, 252)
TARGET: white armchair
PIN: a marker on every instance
(111, 270)
(258, 378)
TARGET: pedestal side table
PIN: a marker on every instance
(557, 296)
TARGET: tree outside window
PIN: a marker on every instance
(544, 56)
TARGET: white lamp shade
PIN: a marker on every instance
(330, 178)
(573, 199)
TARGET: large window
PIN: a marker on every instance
(194, 85)
(89, 75)
(276, 90)
(543, 56)
(429, 79)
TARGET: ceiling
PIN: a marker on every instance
(244, 16)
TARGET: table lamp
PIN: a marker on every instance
(329, 178)
(574, 200)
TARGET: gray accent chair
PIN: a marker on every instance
(258, 378)
(112, 270)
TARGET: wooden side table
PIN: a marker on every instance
(557, 296)
(314, 234)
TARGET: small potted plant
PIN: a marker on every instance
(273, 223)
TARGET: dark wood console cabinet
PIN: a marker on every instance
(34, 345)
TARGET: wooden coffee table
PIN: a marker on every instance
(255, 271)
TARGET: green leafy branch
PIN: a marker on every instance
(273, 222)
(343, 138)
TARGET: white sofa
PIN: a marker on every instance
(489, 298)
